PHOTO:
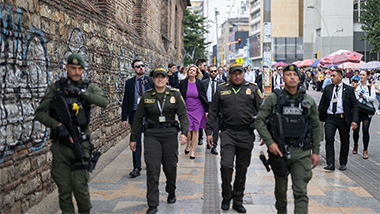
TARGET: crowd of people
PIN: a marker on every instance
(224, 103)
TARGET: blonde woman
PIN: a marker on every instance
(196, 102)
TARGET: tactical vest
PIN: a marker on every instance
(296, 126)
(80, 109)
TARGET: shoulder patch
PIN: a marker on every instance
(222, 83)
(259, 93)
(227, 84)
(151, 89)
(174, 89)
(253, 83)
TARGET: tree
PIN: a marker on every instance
(195, 27)
(370, 18)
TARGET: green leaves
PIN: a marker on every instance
(195, 28)
(370, 18)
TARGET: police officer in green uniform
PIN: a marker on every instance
(69, 175)
(300, 123)
(239, 102)
(160, 105)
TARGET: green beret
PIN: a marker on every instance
(292, 68)
(76, 59)
(160, 71)
(235, 67)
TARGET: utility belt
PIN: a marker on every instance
(162, 125)
(304, 144)
(235, 128)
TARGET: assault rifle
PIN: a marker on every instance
(63, 113)
(277, 163)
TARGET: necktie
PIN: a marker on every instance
(213, 88)
(140, 87)
(335, 104)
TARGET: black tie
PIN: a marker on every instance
(335, 104)
(213, 88)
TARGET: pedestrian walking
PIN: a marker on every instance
(321, 79)
(277, 79)
(201, 64)
(181, 74)
(220, 75)
(210, 85)
(194, 94)
(238, 101)
(134, 89)
(249, 75)
(366, 96)
(161, 105)
(338, 109)
(301, 134)
(173, 76)
(65, 109)
(377, 90)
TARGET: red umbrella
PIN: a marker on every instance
(283, 64)
(296, 62)
(306, 63)
(341, 56)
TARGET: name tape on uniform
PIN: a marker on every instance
(149, 100)
(225, 92)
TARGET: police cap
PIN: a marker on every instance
(235, 67)
(160, 71)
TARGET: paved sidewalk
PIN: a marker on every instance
(198, 187)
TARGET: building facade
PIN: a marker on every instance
(37, 37)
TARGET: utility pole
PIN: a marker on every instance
(216, 26)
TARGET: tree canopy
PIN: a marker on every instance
(370, 18)
(195, 27)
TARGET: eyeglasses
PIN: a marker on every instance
(138, 66)
(212, 71)
(280, 69)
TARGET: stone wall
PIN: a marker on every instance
(36, 37)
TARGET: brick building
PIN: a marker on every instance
(36, 38)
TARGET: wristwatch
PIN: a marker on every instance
(83, 90)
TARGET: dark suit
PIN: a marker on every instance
(259, 82)
(205, 75)
(129, 113)
(206, 84)
(173, 80)
(333, 122)
(224, 78)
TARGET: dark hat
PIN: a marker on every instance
(235, 67)
(76, 59)
(160, 71)
(292, 68)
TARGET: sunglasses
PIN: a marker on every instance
(212, 71)
(280, 69)
(138, 66)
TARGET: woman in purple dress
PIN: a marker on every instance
(195, 98)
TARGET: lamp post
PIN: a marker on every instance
(216, 25)
(341, 30)
(313, 7)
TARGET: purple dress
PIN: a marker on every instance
(195, 110)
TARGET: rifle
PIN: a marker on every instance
(277, 163)
(63, 113)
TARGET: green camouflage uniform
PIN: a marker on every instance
(299, 163)
(70, 181)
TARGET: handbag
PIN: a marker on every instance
(366, 109)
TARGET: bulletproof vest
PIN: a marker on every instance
(80, 109)
(293, 116)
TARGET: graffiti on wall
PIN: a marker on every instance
(24, 77)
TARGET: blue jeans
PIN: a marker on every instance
(378, 99)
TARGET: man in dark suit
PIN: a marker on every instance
(201, 64)
(210, 85)
(173, 77)
(259, 80)
(338, 109)
(220, 75)
(134, 89)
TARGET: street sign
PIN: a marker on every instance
(240, 60)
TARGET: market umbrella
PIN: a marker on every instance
(306, 63)
(283, 64)
(371, 65)
(315, 63)
(341, 56)
(353, 66)
(296, 62)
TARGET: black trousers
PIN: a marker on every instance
(160, 146)
(235, 145)
(332, 123)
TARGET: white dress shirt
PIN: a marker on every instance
(277, 81)
(249, 76)
(339, 95)
(209, 89)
